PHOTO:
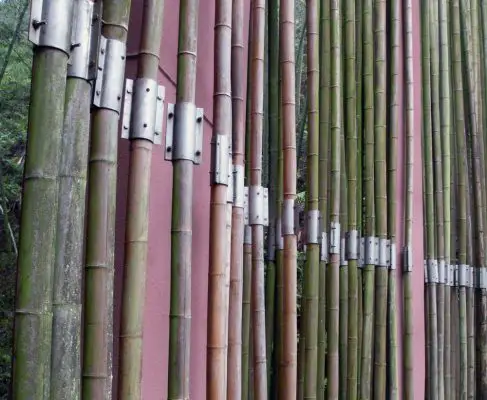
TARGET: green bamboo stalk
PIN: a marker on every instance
(380, 169)
(100, 234)
(137, 217)
(181, 225)
(343, 289)
(313, 247)
(352, 153)
(324, 144)
(368, 179)
(438, 139)
(392, 367)
(461, 191)
(38, 222)
(299, 74)
(445, 90)
(333, 268)
(273, 115)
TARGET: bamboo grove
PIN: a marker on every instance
(310, 281)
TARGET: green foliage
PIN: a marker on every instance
(14, 104)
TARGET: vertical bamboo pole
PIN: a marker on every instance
(100, 233)
(369, 211)
(137, 230)
(462, 189)
(222, 126)
(272, 249)
(333, 268)
(287, 62)
(380, 169)
(182, 206)
(313, 247)
(392, 367)
(68, 268)
(235, 322)
(324, 147)
(40, 200)
(408, 383)
(258, 300)
(445, 118)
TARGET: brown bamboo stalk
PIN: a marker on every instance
(234, 366)
(182, 212)
(137, 231)
(257, 109)
(287, 57)
(100, 236)
(222, 126)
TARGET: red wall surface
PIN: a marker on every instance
(156, 315)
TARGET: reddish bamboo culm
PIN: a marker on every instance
(222, 120)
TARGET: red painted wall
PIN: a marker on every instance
(156, 316)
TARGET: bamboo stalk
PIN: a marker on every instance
(258, 299)
(445, 90)
(324, 148)
(380, 169)
(39, 215)
(182, 206)
(313, 247)
(235, 320)
(287, 62)
(407, 278)
(333, 268)
(273, 115)
(222, 125)
(369, 210)
(462, 189)
(392, 367)
(68, 268)
(137, 216)
(100, 234)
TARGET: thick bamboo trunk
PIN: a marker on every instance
(182, 212)
(287, 61)
(68, 269)
(40, 199)
(100, 236)
(234, 363)
(222, 126)
(137, 217)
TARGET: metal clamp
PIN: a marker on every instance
(230, 187)
(238, 185)
(184, 132)
(384, 253)
(111, 72)
(145, 118)
(482, 278)
(220, 160)
(313, 227)
(246, 205)
(463, 275)
(50, 23)
(343, 253)
(247, 235)
(324, 251)
(407, 259)
(258, 206)
(335, 238)
(85, 39)
(432, 266)
(371, 256)
(279, 238)
(425, 269)
(352, 245)
(451, 275)
(393, 257)
(288, 217)
(361, 259)
(471, 279)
